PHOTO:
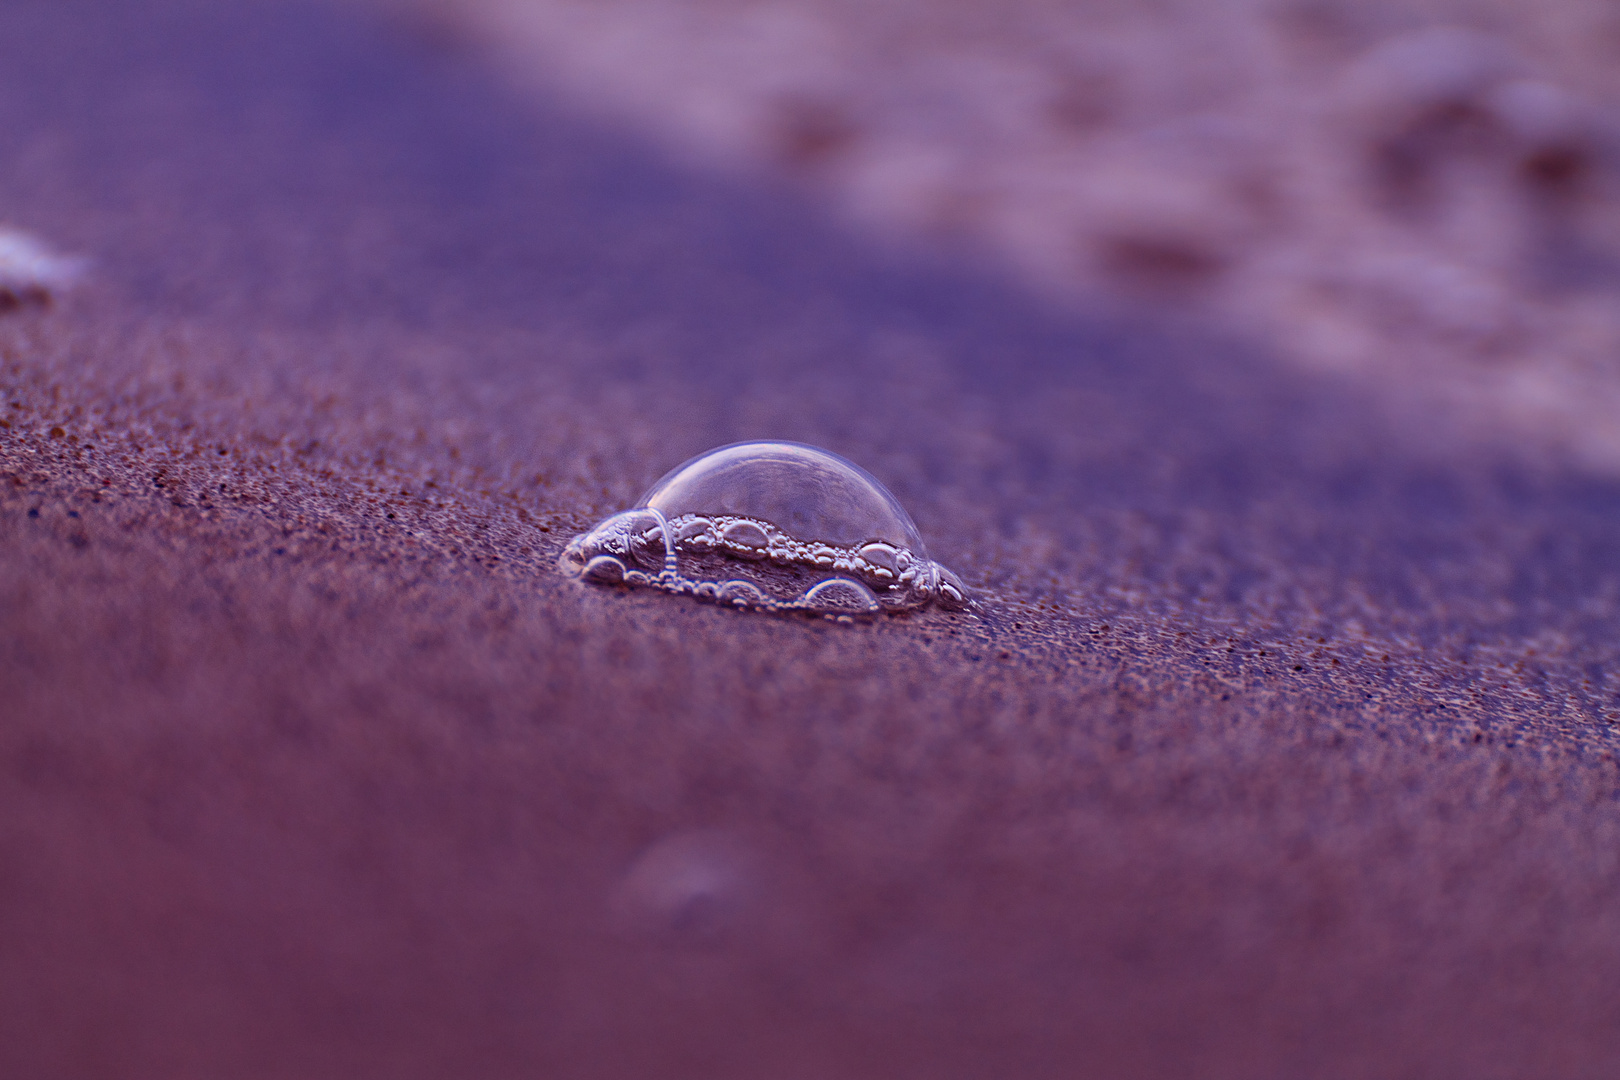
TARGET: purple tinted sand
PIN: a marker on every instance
(1281, 746)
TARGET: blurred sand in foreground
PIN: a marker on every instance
(1424, 195)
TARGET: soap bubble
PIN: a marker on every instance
(770, 526)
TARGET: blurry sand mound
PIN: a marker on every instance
(1424, 195)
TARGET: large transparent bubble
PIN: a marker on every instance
(770, 526)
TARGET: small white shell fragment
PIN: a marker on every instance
(31, 272)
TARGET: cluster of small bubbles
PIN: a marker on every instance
(770, 526)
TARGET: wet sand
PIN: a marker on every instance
(1281, 744)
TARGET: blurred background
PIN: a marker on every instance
(1422, 195)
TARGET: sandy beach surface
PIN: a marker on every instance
(1281, 744)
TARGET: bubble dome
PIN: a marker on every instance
(769, 526)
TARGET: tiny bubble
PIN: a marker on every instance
(604, 570)
(690, 889)
(842, 595)
(714, 891)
